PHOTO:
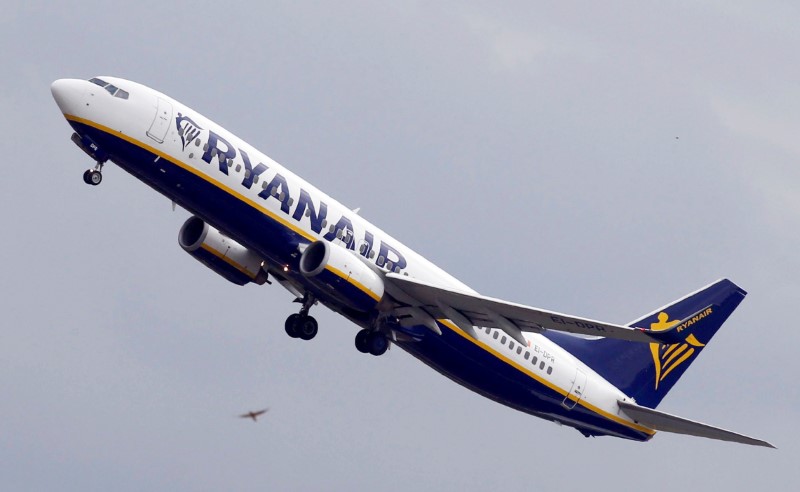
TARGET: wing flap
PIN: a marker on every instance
(670, 423)
(487, 312)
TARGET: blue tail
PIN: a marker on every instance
(648, 371)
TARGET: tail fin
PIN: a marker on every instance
(648, 371)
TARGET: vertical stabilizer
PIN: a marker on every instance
(648, 371)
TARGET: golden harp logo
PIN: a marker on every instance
(668, 357)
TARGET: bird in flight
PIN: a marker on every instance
(253, 415)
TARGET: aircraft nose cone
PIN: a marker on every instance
(68, 94)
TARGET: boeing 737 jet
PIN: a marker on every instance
(255, 221)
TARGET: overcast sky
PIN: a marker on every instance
(597, 159)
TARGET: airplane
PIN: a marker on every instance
(254, 415)
(255, 221)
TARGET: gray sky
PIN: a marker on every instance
(595, 159)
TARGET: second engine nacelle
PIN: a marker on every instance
(335, 267)
(221, 253)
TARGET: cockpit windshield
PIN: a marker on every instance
(112, 89)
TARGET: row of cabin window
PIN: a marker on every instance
(342, 235)
(527, 355)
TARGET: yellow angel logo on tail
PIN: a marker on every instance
(668, 357)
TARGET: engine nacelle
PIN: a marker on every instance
(221, 253)
(337, 268)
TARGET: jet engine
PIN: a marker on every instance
(342, 272)
(221, 253)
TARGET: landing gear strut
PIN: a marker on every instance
(94, 176)
(301, 325)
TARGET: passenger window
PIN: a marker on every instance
(511, 344)
(488, 330)
(494, 335)
(503, 340)
(534, 360)
(541, 365)
(550, 370)
(519, 350)
(527, 355)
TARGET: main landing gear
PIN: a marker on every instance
(94, 176)
(301, 325)
(371, 342)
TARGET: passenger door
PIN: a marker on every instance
(158, 129)
(577, 391)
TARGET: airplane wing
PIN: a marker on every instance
(670, 423)
(467, 310)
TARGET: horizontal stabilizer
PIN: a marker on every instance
(670, 423)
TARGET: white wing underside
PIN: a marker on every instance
(468, 309)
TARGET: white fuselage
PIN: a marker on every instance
(188, 156)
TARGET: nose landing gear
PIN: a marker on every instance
(91, 176)
(94, 176)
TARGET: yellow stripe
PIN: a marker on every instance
(216, 183)
(677, 353)
(194, 171)
(306, 235)
(229, 261)
(670, 349)
(355, 283)
(545, 382)
(678, 362)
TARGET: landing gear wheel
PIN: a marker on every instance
(377, 343)
(92, 177)
(306, 327)
(291, 325)
(361, 341)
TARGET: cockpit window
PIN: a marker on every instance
(112, 89)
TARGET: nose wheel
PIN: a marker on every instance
(94, 176)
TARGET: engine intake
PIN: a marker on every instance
(340, 270)
(220, 253)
